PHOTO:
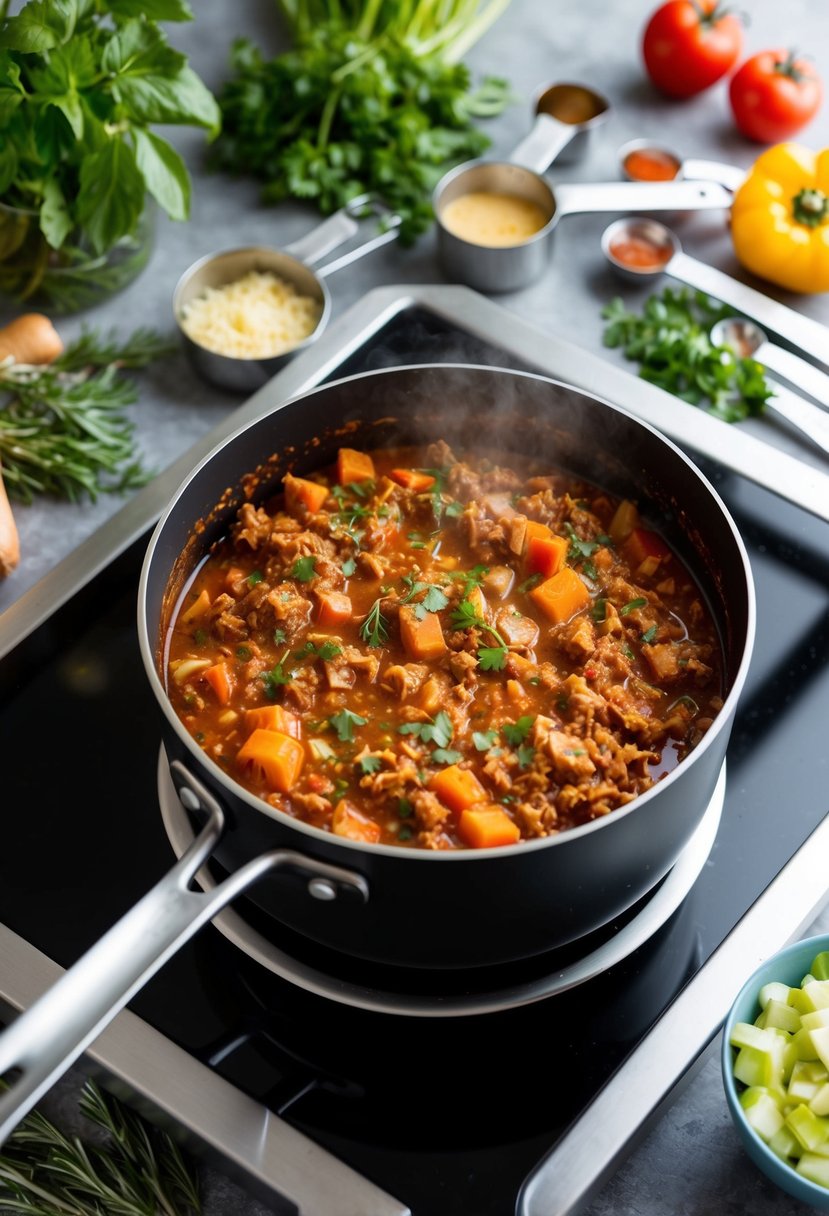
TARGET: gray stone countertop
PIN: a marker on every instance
(691, 1163)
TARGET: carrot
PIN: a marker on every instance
(625, 519)
(196, 609)
(220, 680)
(561, 596)
(354, 466)
(643, 544)
(421, 639)
(546, 554)
(278, 757)
(411, 479)
(31, 338)
(535, 531)
(347, 821)
(273, 717)
(302, 493)
(9, 538)
(334, 608)
(457, 787)
(485, 827)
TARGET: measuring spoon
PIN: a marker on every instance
(651, 249)
(566, 115)
(747, 340)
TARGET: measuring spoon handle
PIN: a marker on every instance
(808, 335)
(541, 146)
(640, 196)
(797, 371)
(807, 418)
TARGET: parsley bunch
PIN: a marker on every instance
(372, 99)
(670, 340)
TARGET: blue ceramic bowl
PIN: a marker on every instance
(788, 966)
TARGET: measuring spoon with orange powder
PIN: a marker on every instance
(641, 249)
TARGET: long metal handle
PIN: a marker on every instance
(640, 196)
(795, 370)
(808, 335)
(806, 417)
(713, 171)
(330, 234)
(546, 139)
(52, 1033)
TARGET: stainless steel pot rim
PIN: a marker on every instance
(428, 856)
(655, 913)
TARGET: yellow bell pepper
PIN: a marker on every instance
(780, 218)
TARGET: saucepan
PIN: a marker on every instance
(408, 907)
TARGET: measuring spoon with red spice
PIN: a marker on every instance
(641, 249)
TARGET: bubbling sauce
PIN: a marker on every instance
(484, 217)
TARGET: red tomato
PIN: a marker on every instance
(688, 46)
(773, 96)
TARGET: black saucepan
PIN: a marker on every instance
(409, 907)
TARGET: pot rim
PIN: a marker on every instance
(451, 856)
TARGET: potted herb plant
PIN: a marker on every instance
(82, 84)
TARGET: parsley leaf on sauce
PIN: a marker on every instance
(303, 569)
(344, 723)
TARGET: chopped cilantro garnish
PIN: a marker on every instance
(404, 808)
(454, 510)
(349, 566)
(326, 652)
(443, 755)
(516, 732)
(274, 679)
(649, 635)
(303, 569)
(255, 577)
(344, 723)
(439, 731)
(279, 636)
(599, 610)
(525, 755)
(632, 605)
(243, 652)
(374, 629)
(484, 739)
(369, 764)
(529, 583)
(492, 658)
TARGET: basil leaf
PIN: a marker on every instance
(111, 195)
(55, 220)
(164, 172)
(139, 49)
(154, 10)
(40, 26)
(180, 99)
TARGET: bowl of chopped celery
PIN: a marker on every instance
(775, 1067)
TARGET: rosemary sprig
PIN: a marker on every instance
(137, 1170)
(63, 427)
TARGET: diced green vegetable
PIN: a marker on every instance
(815, 1168)
(774, 991)
(779, 1014)
(762, 1112)
(808, 1127)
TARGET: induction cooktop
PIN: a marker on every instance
(337, 1108)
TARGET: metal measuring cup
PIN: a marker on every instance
(684, 168)
(502, 268)
(566, 118)
(293, 263)
(802, 332)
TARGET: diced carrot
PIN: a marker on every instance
(603, 558)
(625, 519)
(220, 680)
(421, 639)
(334, 608)
(273, 717)
(546, 554)
(411, 479)
(561, 596)
(196, 609)
(535, 531)
(485, 827)
(299, 492)
(457, 787)
(278, 757)
(641, 544)
(349, 822)
(354, 466)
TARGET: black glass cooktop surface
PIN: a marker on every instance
(448, 1115)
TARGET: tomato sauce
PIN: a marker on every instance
(651, 165)
(415, 649)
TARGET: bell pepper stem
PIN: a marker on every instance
(811, 207)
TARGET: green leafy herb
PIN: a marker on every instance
(439, 731)
(369, 763)
(516, 732)
(581, 551)
(404, 808)
(433, 601)
(632, 605)
(599, 610)
(256, 576)
(344, 723)
(63, 427)
(81, 86)
(466, 616)
(130, 1169)
(303, 569)
(375, 629)
(454, 509)
(529, 583)
(470, 578)
(275, 678)
(279, 636)
(372, 98)
(484, 740)
(525, 755)
(670, 340)
(326, 652)
(444, 755)
(492, 658)
(244, 653)
(349, 566)
(649, 635)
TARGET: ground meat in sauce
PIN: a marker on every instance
(419, 649)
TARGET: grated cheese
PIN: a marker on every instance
(255, 317)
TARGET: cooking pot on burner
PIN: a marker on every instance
(409, 907)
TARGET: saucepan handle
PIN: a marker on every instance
(641, 196)
(42, 1042)
(545, 141)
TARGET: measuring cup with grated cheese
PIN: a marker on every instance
(256, 316)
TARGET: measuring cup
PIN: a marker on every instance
(293, 264)
(508, 267)
(663, 251)
(566, 115)
(747, 340)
